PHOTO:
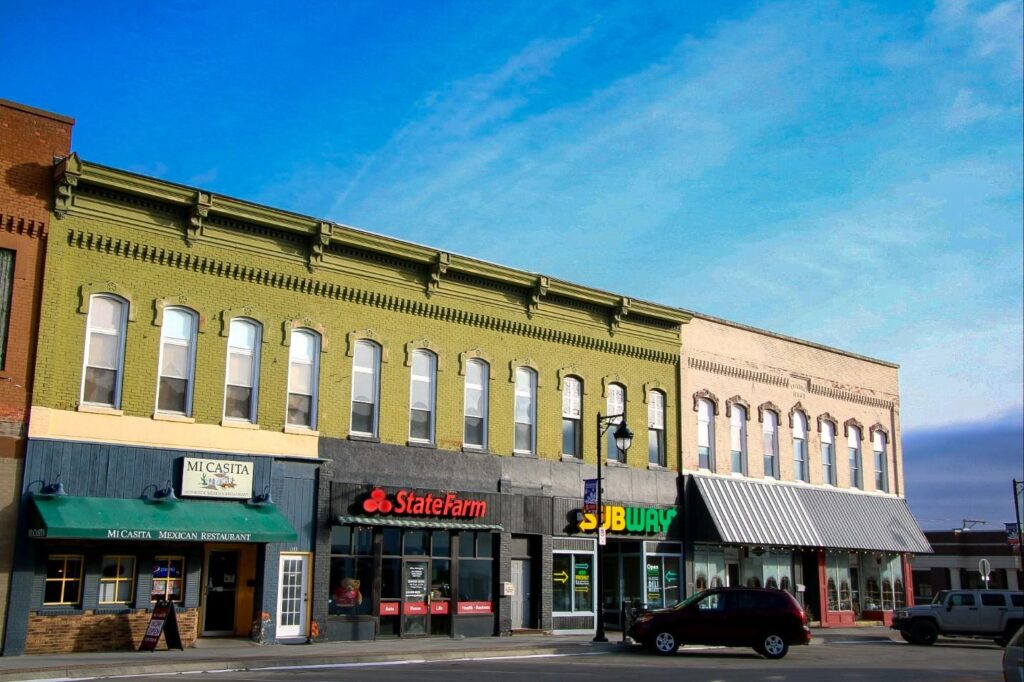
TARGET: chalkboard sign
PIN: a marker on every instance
(163, 620)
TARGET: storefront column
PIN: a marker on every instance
(908, 579)
(823, 587)
(546, 559)
(504, 572)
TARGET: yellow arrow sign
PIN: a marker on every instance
(561, 577)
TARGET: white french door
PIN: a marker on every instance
(293, 596)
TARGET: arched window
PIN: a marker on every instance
(828, 452)
(656, 428)
(881, 460)
(572, 408)
(475, 404)
(616, 405)
(738, 438)
(103, 367)
(303, 378)
(177, 361)
(770, 441)
(365, 388)
(422, 384)
(853, 443)
(800, 446)
(705, 434)
(526, 411)
(243, 367)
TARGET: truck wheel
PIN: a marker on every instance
(924, 632)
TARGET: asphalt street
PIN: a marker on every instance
(877, 661)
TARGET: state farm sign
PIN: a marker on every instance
(409, 503)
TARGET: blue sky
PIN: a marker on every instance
(849, 173)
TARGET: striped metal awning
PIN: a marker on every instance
(415, 523)
(760, 513)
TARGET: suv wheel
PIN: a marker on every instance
(905, 634)
(773, 646)
(664, 643)
(924, 632)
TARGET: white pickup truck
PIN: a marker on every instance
(986, 614)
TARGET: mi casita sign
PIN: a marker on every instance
(221, 478)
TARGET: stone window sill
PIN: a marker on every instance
(180, 418)
(420, 444)
(239, 424)
(300, 431)
(360, 438)
(100, 409)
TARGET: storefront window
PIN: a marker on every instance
(777, 570)
(662, 581)
(168, 578)
(572, 576)
(476, 567)
(883, 582)
(838, 569)
(708, 568)
(63, 580)
(351, 570)
(117, 580)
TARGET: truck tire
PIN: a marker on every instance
(924, 632)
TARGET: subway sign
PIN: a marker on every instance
(616, 519)
(409, 503)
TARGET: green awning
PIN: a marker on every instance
(107, 518)
(414, 523)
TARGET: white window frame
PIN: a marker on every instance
(656, 428)
(706, 434)
(431, 380)
(191, 343)
(374, 372)
(881, 442)
(314, 378)
(615, 404)
(485, 380)
(855, 461)
(770, 435)
(801, 471)
(828, 445)
(120, 333)
(530, 392)
(572, 410)
(738, 436)
(254, 377)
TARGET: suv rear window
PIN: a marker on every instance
(992, 600)
(960, 599)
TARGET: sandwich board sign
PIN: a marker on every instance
(163, 621)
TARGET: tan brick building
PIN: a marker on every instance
(29, 141)
(795, 472)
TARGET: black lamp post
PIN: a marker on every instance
(623, 439)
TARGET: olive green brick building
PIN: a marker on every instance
(393, 440)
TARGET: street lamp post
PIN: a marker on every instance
(623, 439)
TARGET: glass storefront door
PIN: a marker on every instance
(415, 610)
(221, 585)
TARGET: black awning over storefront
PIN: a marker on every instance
(747, 512)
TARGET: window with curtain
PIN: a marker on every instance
(6, 287)
(572, 408)
(303, 376)
(241, 380)
(475, 400)
(800, 447)
(365, 388)
(177, 361)
(738, 439)
(104, 351)
(525, 410)
(853, 445)
(828, 452)
(770, 443)
(615, 403)
(656, 428)
(705, 434)
(422, 396)
(881, 461)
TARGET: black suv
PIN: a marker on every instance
(770, 621)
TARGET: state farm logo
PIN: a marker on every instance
(407, 502)
(377, 502)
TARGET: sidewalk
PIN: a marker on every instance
(240, 654)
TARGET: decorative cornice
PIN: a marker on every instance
(736, 400)
(197, 212)
(23, 226)
(217, 267)
(799, 408)
(770, 407)
(705, 394)
(850, 397)
(424, 344)
(736, 372)
(318, 242)
(66, 175)
(438, 268)
(619, 311)
(367, 335)
(475, 354)
(539, 291)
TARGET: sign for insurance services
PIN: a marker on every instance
(216, 478)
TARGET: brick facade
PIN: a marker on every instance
(93, 631)
(29, 141)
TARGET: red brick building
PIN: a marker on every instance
(29, 141)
